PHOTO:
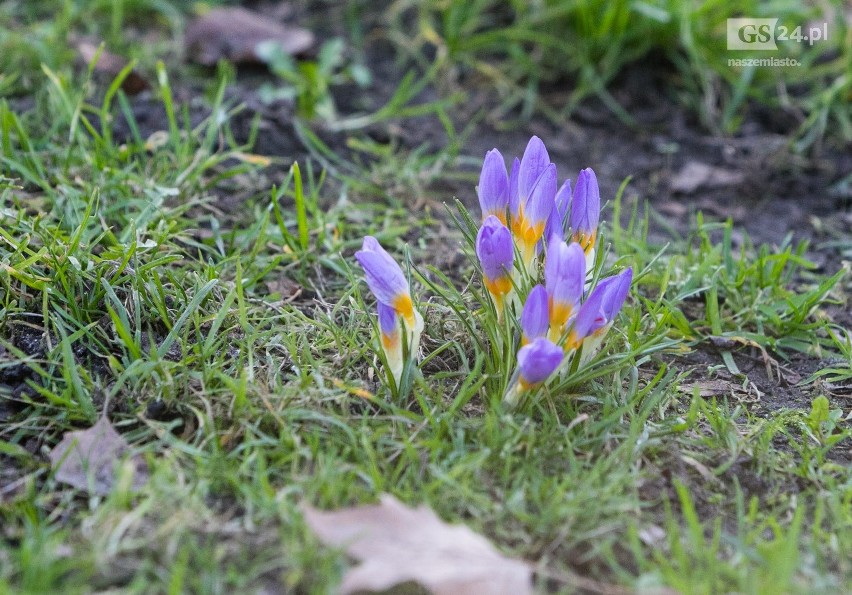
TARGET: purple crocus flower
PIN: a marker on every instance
(534, 316)
(589, 318)
(613, 292)
(610, 293)
(533, 212)
(586, 210)
(533, 163)
(559, 217)
(493, 186)
(388, 283)
(385, 279)
(536, 362)
(564, 276)
(496, 254)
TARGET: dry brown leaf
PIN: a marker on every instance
(233, 34)
(695, 175)
(709, 388)
(94, 454)
(397, 544)
(111, 65)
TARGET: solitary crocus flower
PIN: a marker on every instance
(586, 212)
(536, 362)
(385, 279)
(559, 217)
(388, 283)
(529, 222)
(534, 316)
(493, 186)
(496, 254)
(564, 276)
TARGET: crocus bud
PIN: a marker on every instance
(493, 187)
(529, 223)
(388, 283)
(565, 276)
(534, 316)
(536, 362)
(556, 225)
(496, 254)
(613, 291)
(586, 212)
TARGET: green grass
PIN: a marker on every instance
(519, 47)
(157, 303)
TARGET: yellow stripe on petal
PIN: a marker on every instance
(390, 341)
(500, 286)
(587, 242)
(405, 307)
(560, 312)
(572, 343)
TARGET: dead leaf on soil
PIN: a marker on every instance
(94, 453)
(695, 175)
(233, 34)
(710, 388)
(397, 544)
(718, 388)
(111, 65)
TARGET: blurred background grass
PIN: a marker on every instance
(583, 47)
(521, 48)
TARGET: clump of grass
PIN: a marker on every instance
(519, 46)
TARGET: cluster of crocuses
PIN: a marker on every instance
(526, 219)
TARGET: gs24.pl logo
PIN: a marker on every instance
(762, 34)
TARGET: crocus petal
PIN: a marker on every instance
(564, 276)
(496, 253)
(541, 202)
(537, 361)
(614, 291)
(494, 249)
(586, 209)
(528, 226)
(388, 321)
(493, 186)
(589, 317)
(534, 161)
(514, 196)
(559, 217)
(385, 278)
(534, 316)
(390, 339)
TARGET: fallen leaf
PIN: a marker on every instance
(397, 544)
(233, 34)
(111, 65)
(87, 459)
(695, 175)
(709, 388)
